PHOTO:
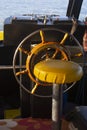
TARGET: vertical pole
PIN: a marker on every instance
(57, 107)
(74, 8)
(20, 64)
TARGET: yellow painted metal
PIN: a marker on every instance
(58, 71)
(12, 113)
(1, 35)
(64, 38)
(38, 48)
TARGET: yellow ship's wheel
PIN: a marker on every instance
(26, 58)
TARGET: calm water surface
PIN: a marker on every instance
(16, 7)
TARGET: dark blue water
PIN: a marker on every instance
(16, 7)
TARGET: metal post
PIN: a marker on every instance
(74, 8)
(57, 107)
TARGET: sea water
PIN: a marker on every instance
(17, 7)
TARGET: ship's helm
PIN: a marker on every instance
(48, 65)
(61, 49)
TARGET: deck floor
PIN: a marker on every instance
(29, 124)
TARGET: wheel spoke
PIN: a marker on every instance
(55, 53)
(21, 72)
(64, 38)
(47, 56)
(63, 58)
(34, 88)
(78, 54)
(24, 51)
(42, 36)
